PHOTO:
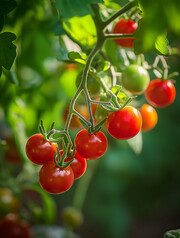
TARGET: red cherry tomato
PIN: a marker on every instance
(78, 165)
(54, 179)
(160, 93)
(125, 26)
(90, 146)
(124, 124)
(12, 227)
(149, 117)
(38, 150)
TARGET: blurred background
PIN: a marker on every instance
(134, 189)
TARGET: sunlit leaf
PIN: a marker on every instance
(81, 29)
(161, 44)
(68, 9)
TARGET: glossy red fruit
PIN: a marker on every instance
(12, 227)
(160, 93)
(124, 124)
(54, 179)
(38, 150)
(78, 165)
(126, 27)
(91, 146)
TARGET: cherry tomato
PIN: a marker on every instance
(12, 227)
(126, 27)
(124, 124)
(93, 85)
(135, 79)
(78, 165)
(38, 150)
(160, 93)
(149, 117)
(8, 203)
(54, 179)
(90, 146)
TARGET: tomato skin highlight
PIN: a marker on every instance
(124, 124)
(91, 146)
(135, 78)
(149, 117)
(126, 27)
(38, 150)
(54, 179)
(78, 165)
(160, 93)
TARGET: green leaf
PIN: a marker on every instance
(149, 27)
(136, 143)
(82, 30)
(11, 76)
(116, 55)
(161, 44)
(103, 66)
(68, 9)
(7, 6)
(57, 27)
(172, 234)
(1, 22)
(63, 52)
(7, 50)
(49, 207)
(77, 57)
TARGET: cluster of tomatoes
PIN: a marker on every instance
(123, 124)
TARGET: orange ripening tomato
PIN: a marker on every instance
(149, 117)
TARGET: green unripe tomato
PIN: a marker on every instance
(72, 217)
(93, 85)
(135, 78)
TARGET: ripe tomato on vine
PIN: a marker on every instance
(160, 93)
(78, 165)
(90, 146)
(124, 124)
(54, 179)
(38, 150)
(125, 26)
